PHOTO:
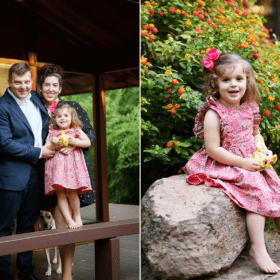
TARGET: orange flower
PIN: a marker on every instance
(169, 106)
(209, 21)
(201, 3)
(170, 91)
(267, 113)
(161, 13)
(244, 45)
(181, 91)
(256, 55)
(173, 111)
(188, 23)
(266, 59)
(155, 30)
(214, 26)
(174, 82)
(144, 32)
(177, 106)
(245, 13)
(151, 38)
(172, 10)
(168, 72)
(169, 145)
(266, 90)
(201, 17)
(143, 61)
(149, 64)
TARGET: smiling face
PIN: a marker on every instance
(51, 89)
(21, 85)
(232, 85)
(63, 118)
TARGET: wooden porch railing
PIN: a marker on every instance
(107, 251)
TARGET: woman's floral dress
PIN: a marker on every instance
(67, 171)
(257, 191)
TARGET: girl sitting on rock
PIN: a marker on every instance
(229, 123)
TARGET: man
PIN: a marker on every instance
(23, 130)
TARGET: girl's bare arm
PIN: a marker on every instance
(258, 138)
(81, 142)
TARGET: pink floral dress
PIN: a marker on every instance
(258, 192)
(67, 171)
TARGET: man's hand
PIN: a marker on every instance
(55, 140)
(67, 150)
(47, 153)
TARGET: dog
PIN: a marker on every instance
(46, 222)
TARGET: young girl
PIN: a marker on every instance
(229, 124)
(67, 175)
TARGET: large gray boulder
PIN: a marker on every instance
(189, 231)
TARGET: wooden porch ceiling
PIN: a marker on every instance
(82, 83)
(82, 36)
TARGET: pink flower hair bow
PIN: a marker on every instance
(209, 61)
(52, 108)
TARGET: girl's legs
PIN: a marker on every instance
(255, 225)
(74, 202)
(66, 251)
(63, 204)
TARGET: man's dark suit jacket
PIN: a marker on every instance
(17, 151)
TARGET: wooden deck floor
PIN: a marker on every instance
(83, 267)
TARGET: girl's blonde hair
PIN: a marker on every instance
(211, 87)
(75, 121)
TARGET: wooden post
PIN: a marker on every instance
(107, 259)
(100, 147)
(32, 63)
(29, 22)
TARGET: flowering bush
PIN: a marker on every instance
(172, 74)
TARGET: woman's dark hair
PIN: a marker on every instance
(50, 71)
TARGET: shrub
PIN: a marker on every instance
(175, 38)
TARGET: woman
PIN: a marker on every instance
(50, 86)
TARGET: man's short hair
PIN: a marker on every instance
(19, 69)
